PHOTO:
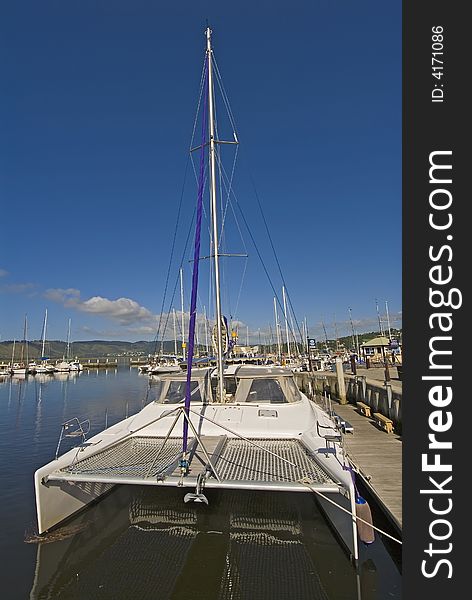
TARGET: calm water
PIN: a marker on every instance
(146, 543)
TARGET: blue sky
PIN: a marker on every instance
(97, 107)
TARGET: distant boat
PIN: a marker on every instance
(43, 366)
(21, 367)
(164, 364)
(18, 369)
(63, 366)
(75, 365)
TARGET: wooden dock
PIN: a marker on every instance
(378, 456)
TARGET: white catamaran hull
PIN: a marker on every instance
(134, 452)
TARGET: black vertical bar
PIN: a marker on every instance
(436, 131)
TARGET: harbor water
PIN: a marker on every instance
(147, 543)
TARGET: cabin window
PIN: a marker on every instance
(293, 392)
(266, 390)
(176, 392)
(230, 385)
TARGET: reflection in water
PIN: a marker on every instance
(146, 543)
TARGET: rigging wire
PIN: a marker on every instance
(159, 333)
(170, 263)
(227, 104)
(262, 260)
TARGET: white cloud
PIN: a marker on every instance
(3, 273)
(123, 310)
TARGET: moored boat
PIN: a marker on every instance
(224, 427)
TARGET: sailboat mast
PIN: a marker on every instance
(175, 332)
(326, 335)
(378, 317)
(26, 339)
(286, 321)
(44, 334)
(182, 310)
(277, 331)
(206, 332)
(213, 199)
(388, 321)
(68, 342)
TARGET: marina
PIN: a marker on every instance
(228, 426)
(234, 524)
(220, 465)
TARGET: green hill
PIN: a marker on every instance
(90, 349)
(101, 348)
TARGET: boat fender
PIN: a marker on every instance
(365, 531)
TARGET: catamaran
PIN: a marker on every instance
(225, 427)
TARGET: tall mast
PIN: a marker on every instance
(388, 321)
(206, 332)
(175, 332)
(197, 335)
(182, 310)
(352, 329)
(213, 199)
(68, 341)
(336, 332)
(306, 335)
(26, 338)
(378, 317)
(277, 330)
(295, 343)
(44, 333)
(286, 322)
(325, 334)
(24, 346)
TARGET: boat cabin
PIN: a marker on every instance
(243, 384)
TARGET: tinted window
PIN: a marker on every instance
(266, 390)
(176, 392)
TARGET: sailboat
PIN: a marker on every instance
(63, 366)
(230, 427)
(43, 366)
(21, 367)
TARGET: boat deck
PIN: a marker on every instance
(231, 462)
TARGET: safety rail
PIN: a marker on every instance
(73, 428)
